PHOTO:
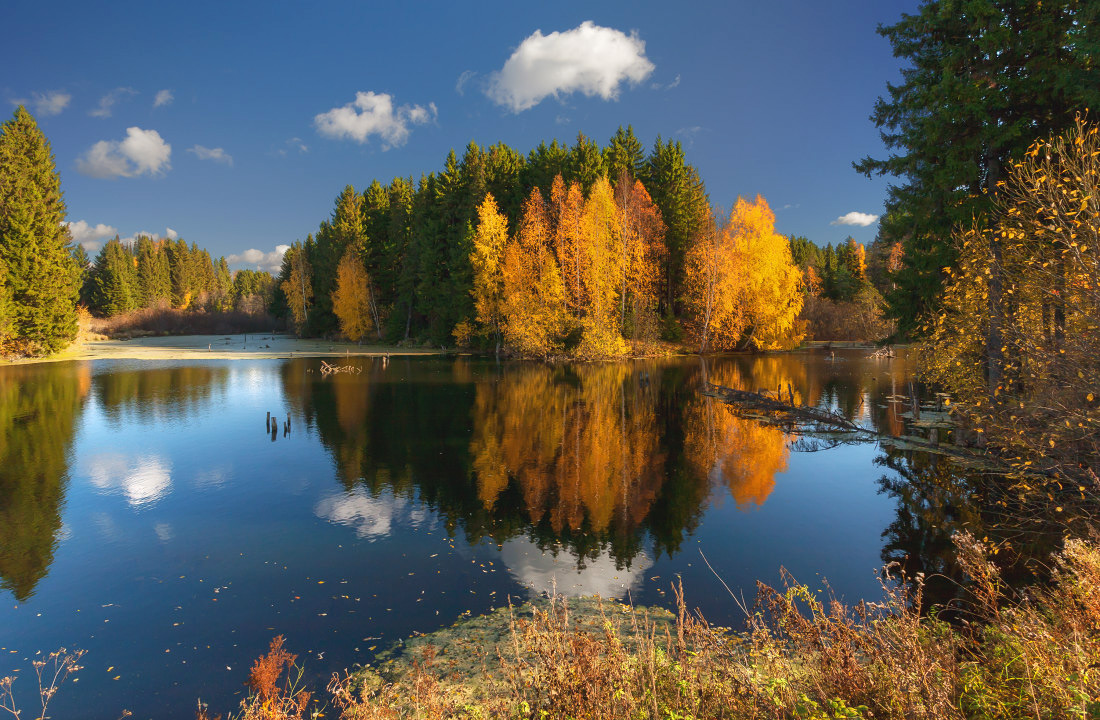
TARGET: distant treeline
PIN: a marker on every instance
(152, 273)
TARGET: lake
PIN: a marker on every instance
(149, 516)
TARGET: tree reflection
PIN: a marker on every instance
(159, 392)
(39, 405)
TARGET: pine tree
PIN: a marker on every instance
(624, 153)
(986, 77)
(113, 287)
(35, 245)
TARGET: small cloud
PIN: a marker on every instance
(689, 133)
(856, 218)
(91, 236)
(168, 233)
(253, 259)
(215, 154)
(46, 104)
(142, 152)
(294, 144)
(588, 59)
(163, 98)
(561, 120)
(465, 77)
(669, 86)
(373, 114)
(107, 102)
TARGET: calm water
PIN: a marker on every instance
(148, 517)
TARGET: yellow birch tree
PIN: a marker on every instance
(351, 299)
(490, 241)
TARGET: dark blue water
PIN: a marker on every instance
(149, 517)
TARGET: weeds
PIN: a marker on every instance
(164, 320)
(51, 674)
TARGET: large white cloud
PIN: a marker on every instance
(215, 154)
(107, 102)
(91, 236)
(589, 59)
(856, 218)
(142, 152)
(373, 114)
(254, 259)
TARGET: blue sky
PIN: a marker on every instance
(235, 125)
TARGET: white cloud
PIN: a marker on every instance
(589, 59)
(142, 152)
(669, 86)
(164, 97)
(373, 114)
(215, 154)
(856, 218)
(107, 102)
(254, 259)
(91, 236)
(46, 104)
(465, 77)
(170, 233)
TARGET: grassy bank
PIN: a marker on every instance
(1007, 655)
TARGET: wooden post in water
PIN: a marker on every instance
(288, 421)
(790, 394)
(267, 423)
(914, 401)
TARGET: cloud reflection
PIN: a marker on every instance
(372, 517)
(142, 480)
(542, 572)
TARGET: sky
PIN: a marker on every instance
(236, 125)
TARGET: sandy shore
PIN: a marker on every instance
(221, 347)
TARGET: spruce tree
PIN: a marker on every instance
(113, 281)
(35, 245)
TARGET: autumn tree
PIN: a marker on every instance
(297, 285)
(712, 297)
(490, 240)
(533, 309)
(1043, 409)
(35, 245)
(602, 270)
(351, 299)
(641, 252)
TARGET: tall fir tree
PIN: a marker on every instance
(985, 78)
(113, 287)
(35, 245)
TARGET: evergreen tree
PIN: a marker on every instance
(584, 164)
(678, 192)
(334, 238)
(113, 287)
(181, 273)
(401, 257)
(986, 77)
(35, 245)
(544, 163)
(624, 153)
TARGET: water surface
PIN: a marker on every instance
(149, 516)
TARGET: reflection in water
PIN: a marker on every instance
(38, 410)
(157, 393)
(543, 571)
(372, 517)
(142, 480)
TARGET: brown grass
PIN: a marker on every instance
(165, 320)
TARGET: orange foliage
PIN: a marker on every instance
(351, 299)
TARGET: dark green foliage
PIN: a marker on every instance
(985, 78)
(806, 254)
(35, 245)
(112, 283)
(252, 291)
(584, 164)
(544, 163)
(624, 153)
(153, 278)
(678, 191)
(334, 238)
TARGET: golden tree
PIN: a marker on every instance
(712, 297)
(601, 273)
(1018, 340)
(298, 287)
(533, 306)
(351, 301)
(566, 217)
(486, 259)
(642, 248)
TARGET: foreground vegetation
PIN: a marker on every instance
(1002, 655)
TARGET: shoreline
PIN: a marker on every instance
(239, 346)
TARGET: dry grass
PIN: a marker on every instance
(163, 320)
